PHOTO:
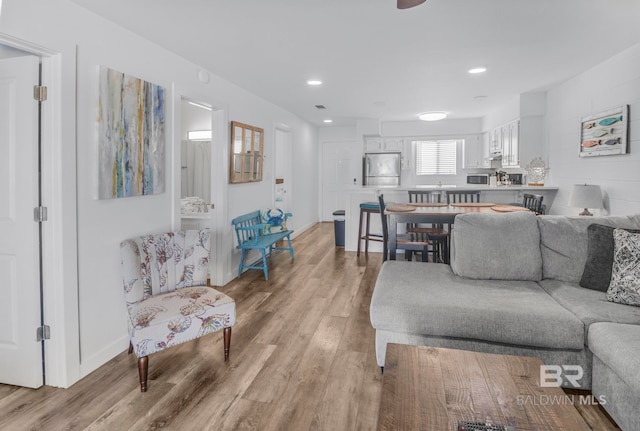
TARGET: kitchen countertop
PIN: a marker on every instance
(458, 187)
(354, 195)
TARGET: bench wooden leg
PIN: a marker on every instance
(264, 264)
(290, 247)
(241, 266)
(143, 371)
(227, 343)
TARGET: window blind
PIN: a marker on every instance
(436, 157)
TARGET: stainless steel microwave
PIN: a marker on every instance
(478, 179)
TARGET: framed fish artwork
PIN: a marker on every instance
(605, 133)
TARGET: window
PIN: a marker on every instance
(436, 157)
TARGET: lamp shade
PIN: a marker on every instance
(585, 196)
(406, 4)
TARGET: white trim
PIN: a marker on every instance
(103, 355)
(219, 193)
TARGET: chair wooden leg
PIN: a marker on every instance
(366, 241)
(143, 371)
(130, 348)
(359, 234)
(227, 343)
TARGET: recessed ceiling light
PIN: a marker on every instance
(476, 70)
(328, 121)
(432, 116)
(314, 82)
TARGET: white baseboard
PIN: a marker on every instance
(95, 361)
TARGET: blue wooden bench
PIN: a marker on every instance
(252, 234)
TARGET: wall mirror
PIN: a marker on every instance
(246, 153)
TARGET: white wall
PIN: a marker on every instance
(613, 83)
(85, 42)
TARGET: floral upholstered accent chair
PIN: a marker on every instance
(167, 297)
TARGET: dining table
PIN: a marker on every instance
(441, 214)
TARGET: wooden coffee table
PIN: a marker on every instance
(428, 388)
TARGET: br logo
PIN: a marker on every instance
(555, 375)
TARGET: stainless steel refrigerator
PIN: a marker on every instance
(381, 169)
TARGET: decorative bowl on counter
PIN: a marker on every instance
(537, 172)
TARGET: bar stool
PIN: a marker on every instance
(366, 209)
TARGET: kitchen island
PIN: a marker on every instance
(399, 194)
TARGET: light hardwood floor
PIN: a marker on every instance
(302, 358)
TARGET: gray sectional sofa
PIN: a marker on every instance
(515, 286)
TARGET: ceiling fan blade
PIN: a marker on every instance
(406, 4)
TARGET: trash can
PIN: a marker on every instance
(338, 227)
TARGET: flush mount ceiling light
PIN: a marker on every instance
(476, 70)
(314, 82)
(406, 4)
(328, 120)
(432, 116)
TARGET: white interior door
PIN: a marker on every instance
(20, 305)
(341, 170)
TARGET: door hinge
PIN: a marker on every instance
(43, 333)
(40, 93)
(40, 214)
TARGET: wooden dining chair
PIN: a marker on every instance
(466, 196)
(409, 242)
(424, 196)
(533, 202)
(437, 235)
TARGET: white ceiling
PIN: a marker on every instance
(380, 62)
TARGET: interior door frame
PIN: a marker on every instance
(220, 263)
(288, 156)
(59, 232)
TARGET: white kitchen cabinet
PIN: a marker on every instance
(476, 152)
(510, 144)
(375, 145)
(495, 140)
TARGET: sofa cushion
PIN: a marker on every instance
(429, 299)
(597, 269)
(590, 306)
(564, 242)
(497, 246)
(625, 273)
(617, 346)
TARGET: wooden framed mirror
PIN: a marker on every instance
(246, 153)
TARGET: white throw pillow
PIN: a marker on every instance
(624, 287)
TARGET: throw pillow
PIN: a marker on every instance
(597, 269)
(625, 274)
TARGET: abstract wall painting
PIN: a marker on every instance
(605, 133)
(131, 136)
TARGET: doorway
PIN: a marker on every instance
(203, 171)
(341, 171)
(282, 194)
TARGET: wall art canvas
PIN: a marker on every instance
(131, 136)
(605, 133)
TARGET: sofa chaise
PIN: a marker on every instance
(531, 286)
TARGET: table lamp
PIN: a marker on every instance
(585, 196)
